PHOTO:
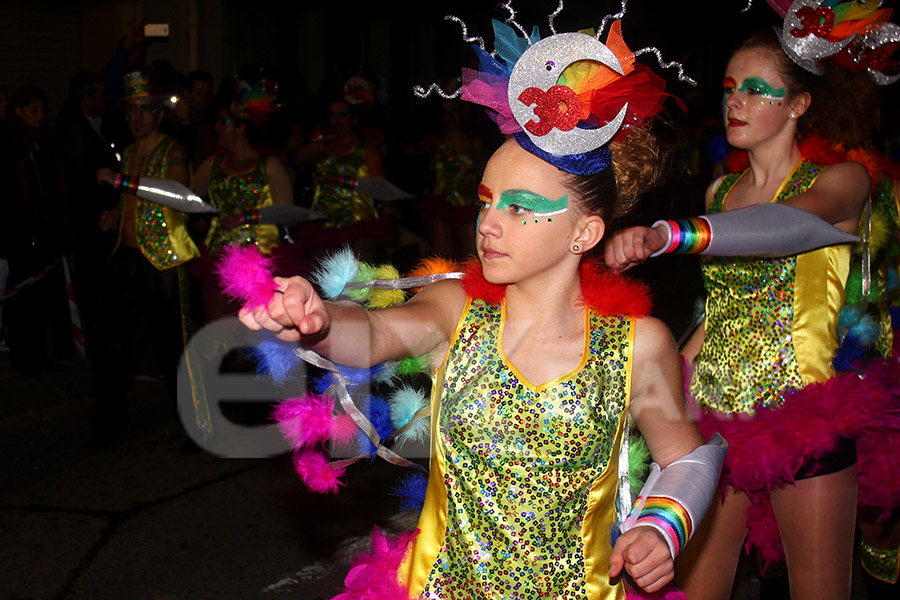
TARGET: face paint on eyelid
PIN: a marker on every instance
(729, 82)
(762, 86)
(541, 206)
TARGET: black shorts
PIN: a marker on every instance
(843, 456)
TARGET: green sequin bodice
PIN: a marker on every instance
(770, 322)
(529, 470)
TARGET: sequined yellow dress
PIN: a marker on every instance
(523, 480)
(771, 323)
(234, 193)
(341, 205)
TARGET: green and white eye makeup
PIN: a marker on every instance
(536, 204)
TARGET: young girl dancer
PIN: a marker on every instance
(542, 355)
(771, 325)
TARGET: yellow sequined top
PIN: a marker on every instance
(341, 205)
(523, 479)
(161, 231)
(233, 193)
(771, 323)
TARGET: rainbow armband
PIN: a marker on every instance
(768, 230)
(674, 500)
(249, 217)
(127, 183)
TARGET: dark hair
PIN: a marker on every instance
(197, 75)
(636, 168)
(84, 84)
(26, 94)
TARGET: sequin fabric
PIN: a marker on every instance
(748, 355)
(342, 206)
(521, 463)
(456, 176)
(236, 193)
(881, 564)
(161, 231)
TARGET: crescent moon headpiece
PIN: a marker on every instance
(857, 34)
(564, 97)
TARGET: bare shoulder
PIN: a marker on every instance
(652, 339)
(849, 175)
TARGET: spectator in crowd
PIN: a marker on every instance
(34, 235)
(85, 148)
(191, 118)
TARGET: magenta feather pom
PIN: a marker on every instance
(305, 421)
(374, 574)
(317, 472)
(245, 274)
(343, 429)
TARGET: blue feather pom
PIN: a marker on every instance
(411, 491)
(276, 359)
(335, 272)
(378, 411)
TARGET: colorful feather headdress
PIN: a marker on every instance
(564, 97)
(256, 102)
(857, 34)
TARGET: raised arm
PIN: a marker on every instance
(824, 215)
(350, 335)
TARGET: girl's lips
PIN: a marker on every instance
(736, 123)
(489, 254)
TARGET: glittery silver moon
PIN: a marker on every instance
(540, 66)
(807, 51)
(886, 34)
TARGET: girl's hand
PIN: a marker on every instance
(107, 176)
(644, 554)
(292, 315)
(632, 246)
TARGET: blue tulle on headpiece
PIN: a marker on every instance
(588, 163)
(509, 45)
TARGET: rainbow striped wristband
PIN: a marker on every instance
(249, 217)
(670, 518)
(127, 183)
(685, 236)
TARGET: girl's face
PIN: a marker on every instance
(528, 222)
(227, 130)
(340, 117)
(756, 104)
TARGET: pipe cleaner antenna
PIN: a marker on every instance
(551, 18)
(511, 20)
(666, 65)
(614, 17)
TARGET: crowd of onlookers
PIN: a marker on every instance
(58, 236)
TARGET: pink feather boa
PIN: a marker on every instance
(767, 449)
(373, 575)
